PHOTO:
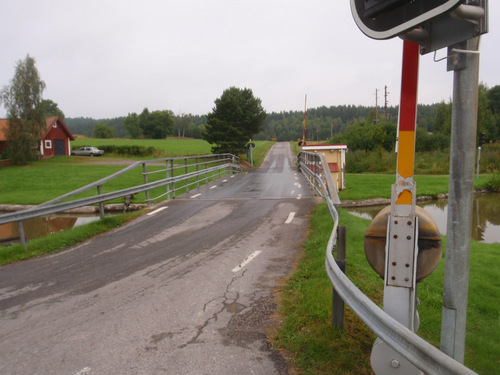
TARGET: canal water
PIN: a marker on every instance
(42, 226)
(485, 216)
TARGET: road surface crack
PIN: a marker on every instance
(229, 303)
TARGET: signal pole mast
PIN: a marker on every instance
(385, 103)
(304, 128)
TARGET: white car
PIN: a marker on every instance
(88, 151)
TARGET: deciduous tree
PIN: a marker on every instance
(22, 99)
(102, 130)
(50, 108)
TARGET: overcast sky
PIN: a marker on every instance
(104, 58)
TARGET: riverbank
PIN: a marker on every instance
(117, 207)
(352, 203)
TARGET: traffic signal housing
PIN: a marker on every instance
(433, 24)
(384, 19)
(482, 139)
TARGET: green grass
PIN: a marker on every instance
(260, 151)
(306, 332)
(426, 162)
(317, 348)
(170, 146)
(43, 180)
(366, 186)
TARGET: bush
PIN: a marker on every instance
(493, 184)
(131, 150)
(489, 158)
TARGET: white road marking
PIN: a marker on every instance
(299, 196)
(84, 370)
(299, 186)
(293, 191)
(213, 187)
(290, 217)
(196, 195)
(232, 176)
(246, 261)
(224, 180)
(157, 210)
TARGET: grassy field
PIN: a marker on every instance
(168, 147)
(318, 348)
(43, 180)
(366, 186)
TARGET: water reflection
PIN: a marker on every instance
(42, 226)
(485, 216)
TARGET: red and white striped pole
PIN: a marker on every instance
(401, 242)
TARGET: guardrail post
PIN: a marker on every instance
(197, 175)
(337, 302)
(145, 181)
(101, 204)
(218, 163)
(22, 236)
(172, 185)
(207, 176)
(168, 175)
(186, 172)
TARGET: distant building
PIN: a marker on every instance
(335, 155)
(56, 140)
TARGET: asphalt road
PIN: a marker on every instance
(187, 289)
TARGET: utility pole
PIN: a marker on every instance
(304, 127)
(385, 104)
(376, 106)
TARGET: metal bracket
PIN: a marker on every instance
(463, 23)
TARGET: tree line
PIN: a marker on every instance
(238, 114)
(361, 127)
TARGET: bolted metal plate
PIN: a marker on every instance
(429, 243)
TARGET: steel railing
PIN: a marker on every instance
(181, 174)
(419, 352)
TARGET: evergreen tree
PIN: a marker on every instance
(235, 119)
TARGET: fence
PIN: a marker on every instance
(419, 352)
(165, 177)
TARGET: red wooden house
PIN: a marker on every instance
(56, 140)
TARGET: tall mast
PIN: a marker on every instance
(304, 128)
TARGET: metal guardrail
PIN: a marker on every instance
(320, 178)
(419, 352)
(205, 167)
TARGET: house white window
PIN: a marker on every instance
(48, 144)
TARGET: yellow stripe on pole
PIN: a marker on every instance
(406, 153)
(405, 197)
(406, 161)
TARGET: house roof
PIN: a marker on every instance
(324, 147)
(52, 120)
(4, 124)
